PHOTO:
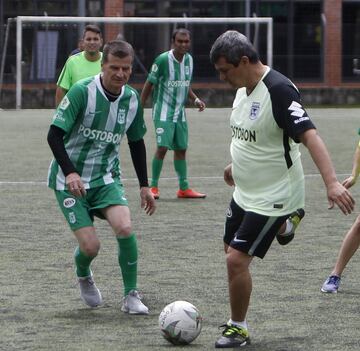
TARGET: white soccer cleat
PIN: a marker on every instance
(132, 304)
(89, 292)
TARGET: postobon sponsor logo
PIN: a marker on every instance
(243, 134)
(101, 135)
(159, 130)
(178, 83)
(69, 202)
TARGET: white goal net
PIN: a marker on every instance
(43, 43)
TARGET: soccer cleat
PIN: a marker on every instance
(331, 284)
(89, 293)
(189, 194)
(295, 219)
(155, 191)
(132, 304)
(232, 337)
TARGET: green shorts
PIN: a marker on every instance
(171, 135)
(80, 211)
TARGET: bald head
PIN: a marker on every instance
(233, 45)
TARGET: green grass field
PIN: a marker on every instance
(181, 255)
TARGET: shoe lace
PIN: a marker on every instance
(333, 280)
(232, 330)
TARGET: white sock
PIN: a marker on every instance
(288, 228)
(242, 324)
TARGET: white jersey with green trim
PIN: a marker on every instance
(171, 80)
(266, 165)
(94, 128)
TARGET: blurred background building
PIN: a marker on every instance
(316, 43)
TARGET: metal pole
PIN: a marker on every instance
(247, 14)
(4, 54)
(18, 61)
(270, 43)
(81, 13)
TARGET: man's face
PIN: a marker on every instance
(181, 43)
(116, 72)
(92, 42)
(234, 75)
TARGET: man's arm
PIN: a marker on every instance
(55, 139)
(60, 93)
(197, 102)
(145, 92)
(350, 181)
(138, 156)
(336, 192)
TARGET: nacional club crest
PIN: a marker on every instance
(121, 116)
(254, 111)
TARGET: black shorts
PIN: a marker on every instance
(250, 232)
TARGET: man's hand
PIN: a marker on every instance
(199, 104)
(349, 182)
(75, 185)
(228, 175)
(147, 200)
(339, 195)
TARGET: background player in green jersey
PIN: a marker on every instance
(351, 241)
(84, 64)
(85, 137)
(170, 78)
(268, 122)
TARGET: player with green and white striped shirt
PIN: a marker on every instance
(85, 136)
(170, 79)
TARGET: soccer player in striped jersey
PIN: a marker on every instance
(85, 135)
(170, 79)
(83, 64)
(267, 124)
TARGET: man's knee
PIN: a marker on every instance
(123, 230)
(90, 247)
(237, 261)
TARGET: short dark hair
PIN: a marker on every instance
(118, 48)
(233, 45)
(92, 28)
(179, 30)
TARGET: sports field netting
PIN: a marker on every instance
(180, 247)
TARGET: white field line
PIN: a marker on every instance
(29, 182)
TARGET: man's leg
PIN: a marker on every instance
(236, 332)
(181, 168)
(240, 283)
(349, 246)
(87, 250)
(120, 221)
(181, 171)
(157, 164)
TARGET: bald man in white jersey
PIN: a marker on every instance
(267, 124)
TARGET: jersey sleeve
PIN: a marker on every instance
(155, 71)
(69, 108)
(137, 129)
(64, 80)
(288, 111)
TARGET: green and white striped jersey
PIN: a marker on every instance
(171, 80)
(94, 128)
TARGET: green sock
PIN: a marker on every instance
(181, 170)
(82, 263)
(128, 255)
(156, 170)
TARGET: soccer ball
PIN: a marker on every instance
(180, 322)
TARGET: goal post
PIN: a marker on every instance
(20, 20)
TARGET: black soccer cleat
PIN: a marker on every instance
(295, 219)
